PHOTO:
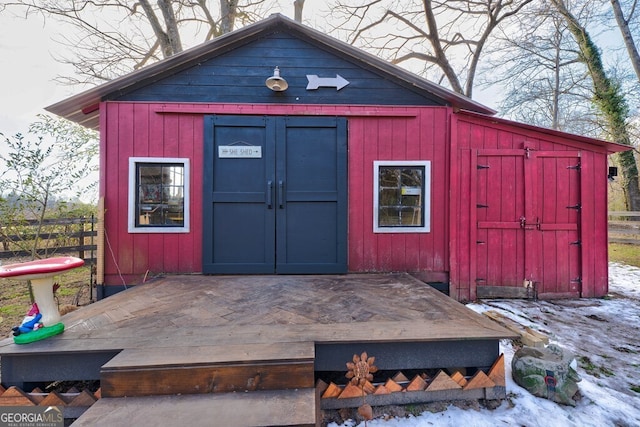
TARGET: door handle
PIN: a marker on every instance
(269, 194)
(281, 194)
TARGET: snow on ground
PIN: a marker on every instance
(604, 336)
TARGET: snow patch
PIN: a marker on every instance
(603, 335)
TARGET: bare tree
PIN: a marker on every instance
(609, 100)
(543, 81)
(625, 25)
(449, 35)
(109, 38)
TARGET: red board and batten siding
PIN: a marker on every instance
(134, 129)
(422, 136)
(553, 185)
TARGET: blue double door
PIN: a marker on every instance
(275, 195)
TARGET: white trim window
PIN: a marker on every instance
(401, 196)
(158, 195)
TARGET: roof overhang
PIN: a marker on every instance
(83, 108)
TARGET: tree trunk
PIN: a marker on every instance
(555, 103)
(297, 6)
(623, 24)
(170, 22)
(438, 50)
(228, 11)
(609, 100)
(166, 39)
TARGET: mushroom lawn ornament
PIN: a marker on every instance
(40, 273)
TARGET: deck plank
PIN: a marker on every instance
(267, 408)
(196, 310)
(199, 379)
(150, 357)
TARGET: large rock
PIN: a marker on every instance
(546, 372)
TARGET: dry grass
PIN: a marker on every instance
(625, 254)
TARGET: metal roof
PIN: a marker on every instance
(83, 107)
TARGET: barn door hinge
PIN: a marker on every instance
(576, 167)
(480, 242)
(577, 207)
(482, 166)
(576, 243)
(576, 280)
(481, 206)
(478, 280)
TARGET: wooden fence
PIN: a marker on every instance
(78, 235)
(624, 227)
(55, 237)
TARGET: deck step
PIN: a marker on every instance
(209, 369)
(261, 408)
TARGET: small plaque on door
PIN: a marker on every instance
(239, 152)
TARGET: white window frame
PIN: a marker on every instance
(131, 215)
(426, 227)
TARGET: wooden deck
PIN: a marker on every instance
(225, 333)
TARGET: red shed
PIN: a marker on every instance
(277, 149)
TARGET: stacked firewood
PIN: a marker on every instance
(421, 388)
(14, 396)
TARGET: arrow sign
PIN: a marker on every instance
(315, 82)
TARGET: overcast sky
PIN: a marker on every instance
(28, 70)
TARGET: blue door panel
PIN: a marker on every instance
(284, 211)
(239, 237)
(316, 246)
(313, 163)
(238, 226)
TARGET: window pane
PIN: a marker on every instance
(389, 197)
(400, 196)
(160, 195)
(389, 177)
(412, 177)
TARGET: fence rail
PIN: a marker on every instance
(71, 235)
(624, 227)
(54, 236)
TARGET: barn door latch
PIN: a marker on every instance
(527, 152)
(533, 226)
